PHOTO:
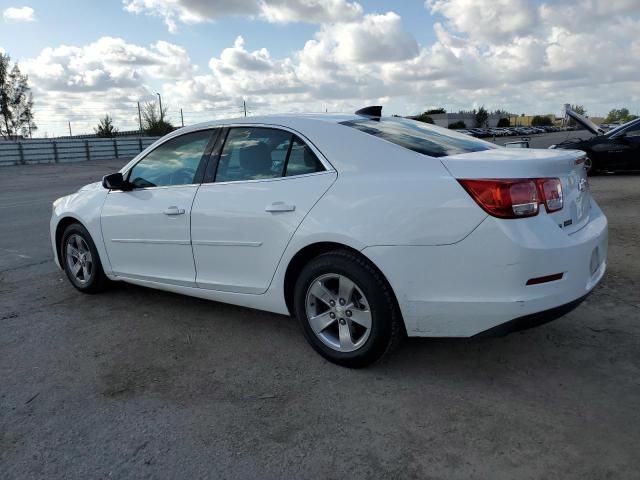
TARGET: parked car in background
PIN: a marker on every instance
(362, 226)
(614, 150)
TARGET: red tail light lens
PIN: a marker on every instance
(551, 190)
(515, 198)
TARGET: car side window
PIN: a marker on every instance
(302, 160)
(252, 153)
(175, 162)
(633, 131)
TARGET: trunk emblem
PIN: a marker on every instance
(582, 184)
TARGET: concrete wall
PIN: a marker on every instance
(71, 149)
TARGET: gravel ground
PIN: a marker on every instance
(136, 383)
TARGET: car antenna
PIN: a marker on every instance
(372, 111)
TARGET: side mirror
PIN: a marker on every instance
(115, 181)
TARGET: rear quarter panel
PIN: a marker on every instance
(386, 194)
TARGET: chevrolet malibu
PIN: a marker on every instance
(365, 227)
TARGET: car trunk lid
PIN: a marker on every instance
(505, 163)
(585, 122)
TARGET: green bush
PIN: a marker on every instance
(423, 117)
(457, 125)
(504, 122)
(541, 121)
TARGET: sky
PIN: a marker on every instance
(89, 58)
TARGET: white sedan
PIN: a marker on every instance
(364, 227)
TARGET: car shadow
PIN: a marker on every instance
(540, 349)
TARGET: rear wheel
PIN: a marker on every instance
(346, 309)
(81, 261)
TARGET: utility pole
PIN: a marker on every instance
(70, 130)
(160, 102)
(181, 117)
(139, 117)
(244, 103)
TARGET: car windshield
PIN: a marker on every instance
(419, 137)
(613, 131)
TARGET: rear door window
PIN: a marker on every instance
(302, 160)
(255, 153)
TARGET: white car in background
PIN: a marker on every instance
(362, 226)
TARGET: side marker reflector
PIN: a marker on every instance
(545, 279)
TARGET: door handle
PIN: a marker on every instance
(174, 211)
(279, 207)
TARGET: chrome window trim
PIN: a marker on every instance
(161, 187)
(273, 179)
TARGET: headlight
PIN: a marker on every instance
(553, 146)
(55, 203)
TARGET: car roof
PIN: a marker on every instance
(284, 119)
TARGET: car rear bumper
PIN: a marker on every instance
(532, 320)
(480, 283)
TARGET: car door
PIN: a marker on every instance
(146, 230)
(630, 155)
(266, 181)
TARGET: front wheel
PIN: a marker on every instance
(346, 309)
(80, 260)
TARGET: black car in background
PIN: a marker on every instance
(615, 150)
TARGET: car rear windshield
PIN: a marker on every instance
(419, 137)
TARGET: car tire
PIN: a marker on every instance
(339, 333)
(79, 257)
(590, 166)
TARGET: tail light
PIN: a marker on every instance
(551, 190)
(515, 198)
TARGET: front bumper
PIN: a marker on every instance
(479, 283)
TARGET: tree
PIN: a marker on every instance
(619, 115)
(153, 122)
(541, 121)
(423, 117)
(579, 109)
(457, 125)
(105, 128)
(435, 111)
(504, 122)
(16, 101)
(481, 117)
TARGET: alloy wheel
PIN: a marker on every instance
(79, 259)
(588, 164)
(338, 312)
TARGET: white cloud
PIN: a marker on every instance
(375, 38)
(107, 63)
(107, 76)
(560, 55)
(310, 11)
(275, 11)
(488, 20)
(19, 14)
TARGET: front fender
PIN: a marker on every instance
(83, 207)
